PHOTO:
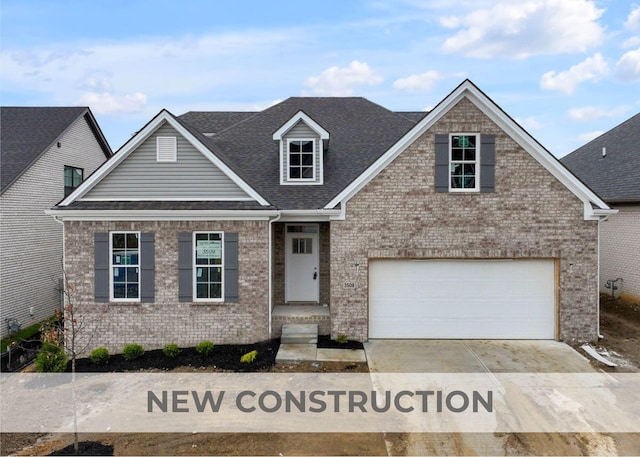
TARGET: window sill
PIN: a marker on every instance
(209, 303)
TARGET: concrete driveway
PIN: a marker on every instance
(474, 356)
(490, 356)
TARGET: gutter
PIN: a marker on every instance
(159, 215)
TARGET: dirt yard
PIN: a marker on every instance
(620, 326)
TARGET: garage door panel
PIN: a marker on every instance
(462, 299)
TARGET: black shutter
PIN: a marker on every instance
(185, 267)
(231, 267)
(147, 267)
(442, 163)
(101, 266)
(487, 163)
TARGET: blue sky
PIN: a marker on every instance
(567, 70)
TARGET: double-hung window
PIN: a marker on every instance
(301, 155)
(464, 164)
(125, 266)
(208, 266)
(72, 178)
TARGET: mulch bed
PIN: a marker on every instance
(224, 357)
(325, 342)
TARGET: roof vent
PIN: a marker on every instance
(604, 152)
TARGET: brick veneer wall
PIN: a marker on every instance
(530, 215)
(167, 320)
(620, 252)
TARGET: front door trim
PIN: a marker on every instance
(302, 263)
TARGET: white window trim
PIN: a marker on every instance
(314, 155)
(194, 266)
(166, 149)
(112, 266)
(476, 162)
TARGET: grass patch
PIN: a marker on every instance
(24, 334)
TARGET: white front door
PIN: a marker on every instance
(302, 263)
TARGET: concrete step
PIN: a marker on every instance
(299, 334)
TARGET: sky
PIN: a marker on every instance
(566, 70)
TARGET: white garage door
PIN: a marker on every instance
(497, 299)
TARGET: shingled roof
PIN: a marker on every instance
(28, 132)
(360, 132)
(615, 177)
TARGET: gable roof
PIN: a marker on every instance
(301, 116)
(364, 139)
(28, 132)
(197, 139)
(360, 132)
(594, 207)
(616, 176)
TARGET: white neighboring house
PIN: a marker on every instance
(45, 153)
(610, 165)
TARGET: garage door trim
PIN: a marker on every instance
(551, 274)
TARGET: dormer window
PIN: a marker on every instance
(302, 145)
(301, 158)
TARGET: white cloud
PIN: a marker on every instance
(592, 69)
(339, 82)
(588, 136)
(591, 113)
(106, 103)
(628, 66)
(525, 28)
(99, 81)
(159, 68)
(633, 20)
(530, 123)
(415, 83)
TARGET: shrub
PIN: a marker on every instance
(132, 351)
(205, 348)
(51, 359)
(342, 339)
(100, 356)
(171, 350)
(249, 357)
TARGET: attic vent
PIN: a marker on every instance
(166, 149)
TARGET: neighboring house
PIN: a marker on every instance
(610, 165)
(449, 224)
(46, 153)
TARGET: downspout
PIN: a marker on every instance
(271, 221)
(64, 264)
(600, 221)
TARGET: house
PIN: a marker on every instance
(610, 165)
(45, 152)
(374, 224)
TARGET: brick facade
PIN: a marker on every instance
(530, 215)
(396, 215)
(620, 252)
(167, 320)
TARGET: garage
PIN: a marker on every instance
(487, 299)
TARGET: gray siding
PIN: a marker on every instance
(141, 177)
(301, 130)
(31, 241)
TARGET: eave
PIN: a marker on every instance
(66, 215)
